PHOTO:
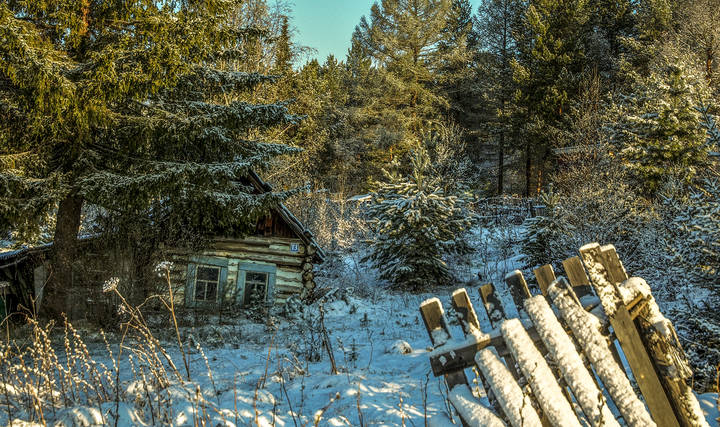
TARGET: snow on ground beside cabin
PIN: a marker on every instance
(380, 348)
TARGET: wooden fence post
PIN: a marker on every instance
(575, 273)
(629, 338)
(437, 328)
(665, 349)
(544, 276)
(518, 290)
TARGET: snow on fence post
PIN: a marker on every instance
(539, 375)
(586, 330)
(660, 339)
(471, 411)
(576, 374)
(470, 325)
(437, 328)
(514, 403)
(628, 335)
(496, 314)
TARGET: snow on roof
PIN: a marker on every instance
(360, 198)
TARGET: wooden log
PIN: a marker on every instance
(546, 390)
(586, 331)
(437, 328)
(575, 272)
(471, 326)
(471, 412)
(496, 314)
(627, 334)
(573, 370)
(513, 402)
(518, 289)
(544, 276)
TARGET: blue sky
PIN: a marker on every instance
(327, 25)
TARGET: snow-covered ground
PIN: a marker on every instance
(261, 374)
(243, 372)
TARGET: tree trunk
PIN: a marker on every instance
(55, 299)
(501, 164)
(528, 171)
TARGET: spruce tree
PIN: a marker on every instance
(416, 224)
(659, 127)
(127, 107)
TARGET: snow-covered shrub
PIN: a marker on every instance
(591, 201)
(415, 225)
(689, 282)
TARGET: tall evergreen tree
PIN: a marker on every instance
(495, 23)
(550, 60)
(406, 39)
(120, 106)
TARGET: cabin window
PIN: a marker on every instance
(257, 282)
(207, 283)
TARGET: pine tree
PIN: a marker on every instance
(416, 224)
(495, 24)
(409, 43)
(126, 107)
(550, 60)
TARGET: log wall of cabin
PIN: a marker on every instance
(291, 266)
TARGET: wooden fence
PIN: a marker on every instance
(558, 363)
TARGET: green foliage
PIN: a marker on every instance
(416, 224)
(694, 223)
(659, 127)
(132, 108)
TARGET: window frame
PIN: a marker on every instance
(250, 267)
(203, 261)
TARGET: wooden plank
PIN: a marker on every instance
(544, 276)
(575, 273)
(437, 328)
(613, 265)
(596, 347)
(465, 310)
(627, 334)
(496, 314)
(518, 289)
(491, 303)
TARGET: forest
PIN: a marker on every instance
(451, 145)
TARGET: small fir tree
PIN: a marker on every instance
(416, 225)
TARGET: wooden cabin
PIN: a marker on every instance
(266, 268)
(261, 269)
